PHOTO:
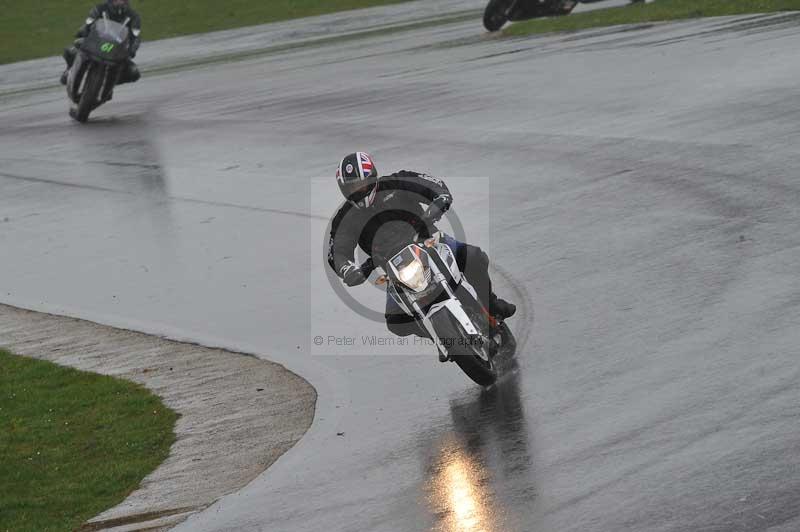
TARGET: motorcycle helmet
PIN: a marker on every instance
(117, 7)
(358, 179)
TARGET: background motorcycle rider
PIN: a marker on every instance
(374, 203)
(527, 9)
(118, 11)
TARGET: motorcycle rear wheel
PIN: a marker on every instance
(505, 340)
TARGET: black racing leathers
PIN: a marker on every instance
(398, 209)
(398, 199)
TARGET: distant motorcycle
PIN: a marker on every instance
(426, 282)
(498, 12)
(102, 58)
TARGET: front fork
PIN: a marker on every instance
(75, 77)
(444, 356)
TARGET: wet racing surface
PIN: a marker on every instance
(644, 213)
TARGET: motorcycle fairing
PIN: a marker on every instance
(446, 254)
(457, 311)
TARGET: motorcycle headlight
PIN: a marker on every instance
(413, 276)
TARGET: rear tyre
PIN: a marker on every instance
(508, 343)
(471, 356)
(89, 97)
(494, 16)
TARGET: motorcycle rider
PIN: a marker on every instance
(118, 11)
(372, 203)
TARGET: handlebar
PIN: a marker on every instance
(368, 266)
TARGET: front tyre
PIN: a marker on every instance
(91, 93)
(494, 16)
(471, 356)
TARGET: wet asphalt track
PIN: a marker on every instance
(645, 209)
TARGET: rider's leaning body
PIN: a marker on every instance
(374, 203)
(118, 11)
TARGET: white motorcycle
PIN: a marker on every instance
(426, 282)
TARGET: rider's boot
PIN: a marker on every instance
(501, 309)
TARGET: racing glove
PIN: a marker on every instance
(352, 275)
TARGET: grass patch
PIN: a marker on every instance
(43, 28)
(660, 10)
(72, 444)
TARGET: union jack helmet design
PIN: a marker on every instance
(357, 176)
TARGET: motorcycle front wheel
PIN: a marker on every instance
(91, 93)
(471, 356)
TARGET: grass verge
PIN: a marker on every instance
(660, 10)
(37, 29)
(72, 444)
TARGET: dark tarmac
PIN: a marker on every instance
(644, 212)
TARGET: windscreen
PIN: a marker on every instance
(111, 31)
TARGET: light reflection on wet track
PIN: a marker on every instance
(487, 442)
